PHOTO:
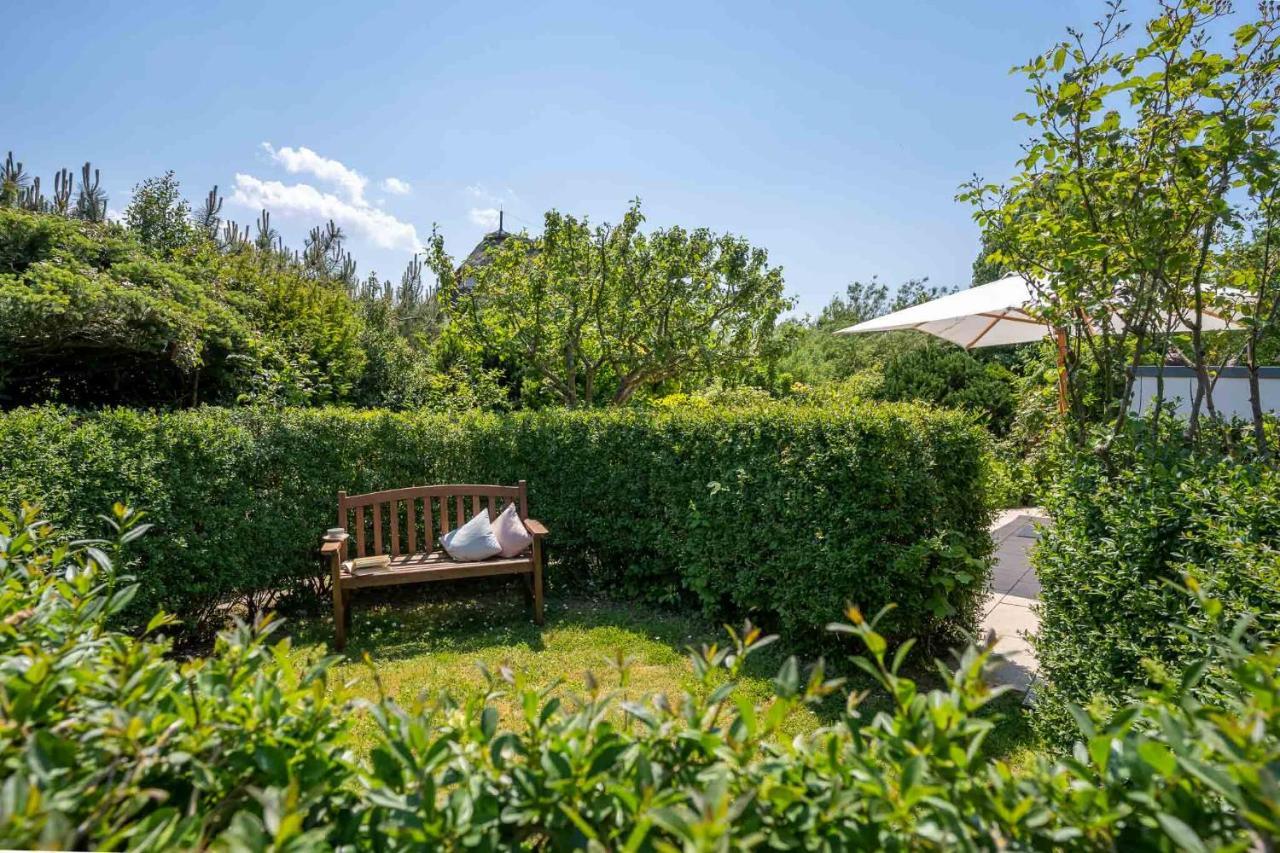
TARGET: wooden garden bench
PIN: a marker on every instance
(407, 524)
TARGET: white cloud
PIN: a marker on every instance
(305, 160)
(347, 206)
(380, 227)
(489, 202)
(485, 217)
(114, 215)
(395, 186)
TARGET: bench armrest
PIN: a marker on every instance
(330, 548)
(535, 527)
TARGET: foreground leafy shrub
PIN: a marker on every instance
(107, 744)
(1128, 526)
(780, 512)
(106, 741)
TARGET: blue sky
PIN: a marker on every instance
(832, 134)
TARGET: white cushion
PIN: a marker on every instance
(472, 541)
(511, 533)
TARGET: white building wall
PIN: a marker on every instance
(1230, 394)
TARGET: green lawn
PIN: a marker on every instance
(432, 638)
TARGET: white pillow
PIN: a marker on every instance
(511, 532)
(472, 541)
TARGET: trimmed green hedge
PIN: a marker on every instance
(1128, 531)
(779, 512)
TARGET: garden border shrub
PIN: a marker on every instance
(778, 512)
(1128, 530)
(110, 743)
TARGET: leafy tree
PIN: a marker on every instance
(986, 268)
(597, 314)
(406, 366)
(309, 331)
(867, 300)
(1149, 154)
(1251, 264)
(159, 216)
(862, 301)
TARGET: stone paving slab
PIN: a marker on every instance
(1011, 619)
(1008, 614)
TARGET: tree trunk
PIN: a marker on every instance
(626, 388)
(571, 375)
(1255, 399)
(1159, 404)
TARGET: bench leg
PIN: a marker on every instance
(537, 579)
(340, 615)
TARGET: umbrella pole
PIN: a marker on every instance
(1060, 335)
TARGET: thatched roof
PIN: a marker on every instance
(482, 254)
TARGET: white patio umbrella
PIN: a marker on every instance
(989, 315)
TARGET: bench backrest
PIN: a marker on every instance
(412, 520)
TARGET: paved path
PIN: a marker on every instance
(1008, 611)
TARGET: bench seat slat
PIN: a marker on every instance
(416, 568)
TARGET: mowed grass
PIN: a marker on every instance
(433, 638)
(425, 640)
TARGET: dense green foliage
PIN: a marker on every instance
(778, 511)
(159, 217)
(812, 354)
(897, 366)
(88, 315)
(1127, 527)
(109, 743)
(949, 376)
(1153, 182)
(583, 315)
(173, 307)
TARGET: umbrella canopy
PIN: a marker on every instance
(989, 315)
